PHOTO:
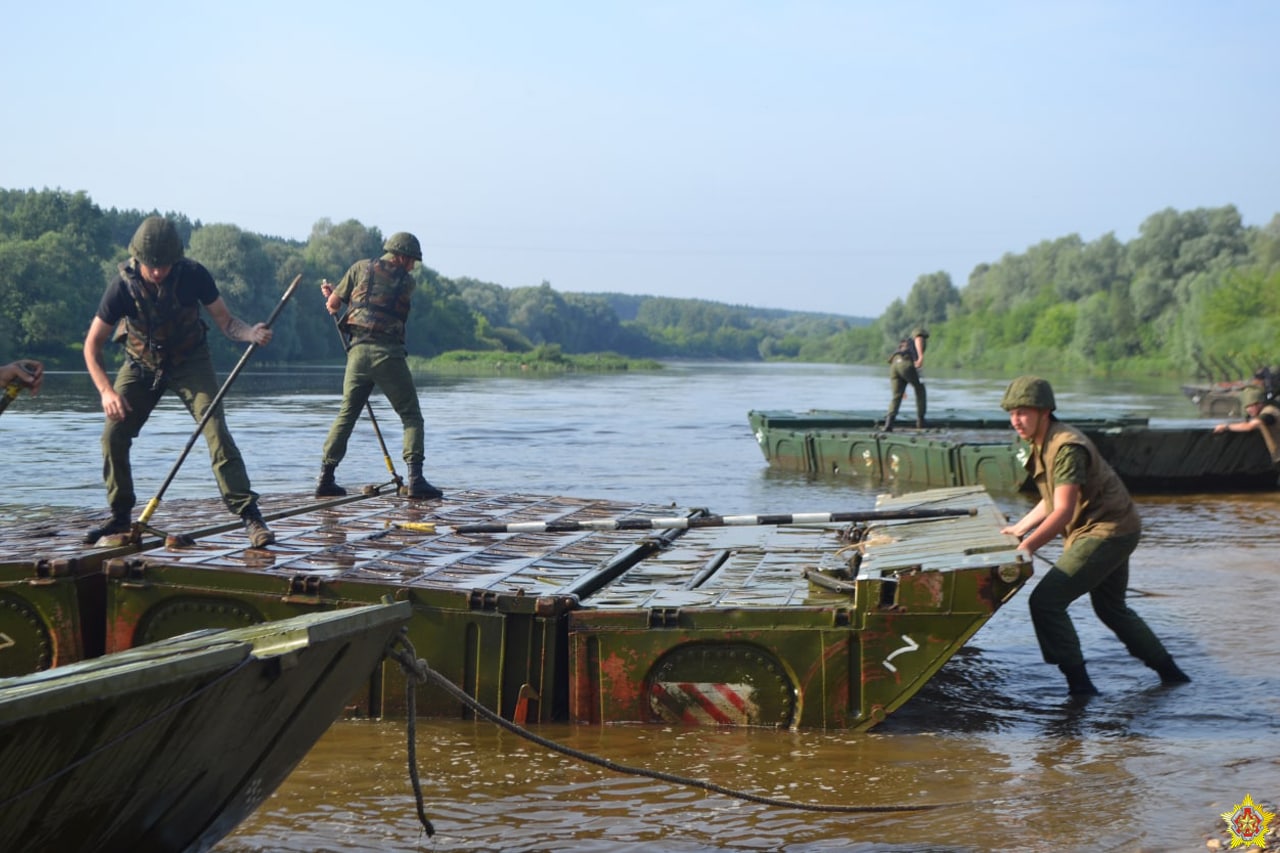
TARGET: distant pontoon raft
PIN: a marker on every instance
(970, 449)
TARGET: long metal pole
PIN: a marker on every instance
(208, 412)
(681, 523)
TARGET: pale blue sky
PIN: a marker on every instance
(805, 155)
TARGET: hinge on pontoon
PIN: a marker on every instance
(664, 617)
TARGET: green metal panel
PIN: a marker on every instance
(488, 610)
(497, 648)
(837, 667)
(922, 461)
(858, 454)
(995, 466)
(786, 449)
(778, 621)
(755, 673)
(50, 615)
(171, 746)
(480, 645)
(784, 627)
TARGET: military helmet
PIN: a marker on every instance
(1251, 397)
(1029, 391)
(919, 332)
(404, 243)
(156, 242)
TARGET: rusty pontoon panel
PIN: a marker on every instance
(820, 626)
(488, 610)
(829, 625)
(52, 586)
(973, 450)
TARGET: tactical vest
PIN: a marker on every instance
(164, 331)
(1104, 508)
(906, 351)
(379, 301)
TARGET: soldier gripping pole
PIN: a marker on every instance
(141, 524)
(681, 523)
(368, 407)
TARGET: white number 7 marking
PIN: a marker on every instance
(911, 646)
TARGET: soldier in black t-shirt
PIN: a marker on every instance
(153, 308)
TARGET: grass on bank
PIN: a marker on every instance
(548, 358)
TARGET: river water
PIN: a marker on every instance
(993, 740)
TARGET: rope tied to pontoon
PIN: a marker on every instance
(418, 671)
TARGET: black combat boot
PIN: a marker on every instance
(1078, 683)
(1169, 671)
(260, 536)
(418, 487)
(888, 423)
(117, 523)
(327, 486)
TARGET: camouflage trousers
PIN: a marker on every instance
(196, 385)
(384, 366)
(901, 374)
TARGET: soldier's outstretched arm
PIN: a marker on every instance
(235, 328)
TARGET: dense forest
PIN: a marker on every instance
(1194, 291)
(58, 250)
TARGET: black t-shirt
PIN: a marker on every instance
(195, 283)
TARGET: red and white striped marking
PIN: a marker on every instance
(706, 703)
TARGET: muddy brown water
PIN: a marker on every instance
(993, 742)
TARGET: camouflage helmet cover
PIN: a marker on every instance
(156, 242)
(1028, 391)
(404, 243)
(1251, 397)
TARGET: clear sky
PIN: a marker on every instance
(804, 155)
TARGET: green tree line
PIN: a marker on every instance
(58, 250)
(1194, 291)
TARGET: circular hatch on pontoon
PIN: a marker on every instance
(721, 684)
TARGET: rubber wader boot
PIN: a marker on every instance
(327, 486)
(260, 536)
(418, 488)
(117, 523)
(1169, 671)
(1078, 683)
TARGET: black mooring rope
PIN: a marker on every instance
(417, 671)
(411, 702)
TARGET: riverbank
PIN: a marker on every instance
(546, 359)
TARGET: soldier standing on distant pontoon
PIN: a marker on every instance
(905, 365)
